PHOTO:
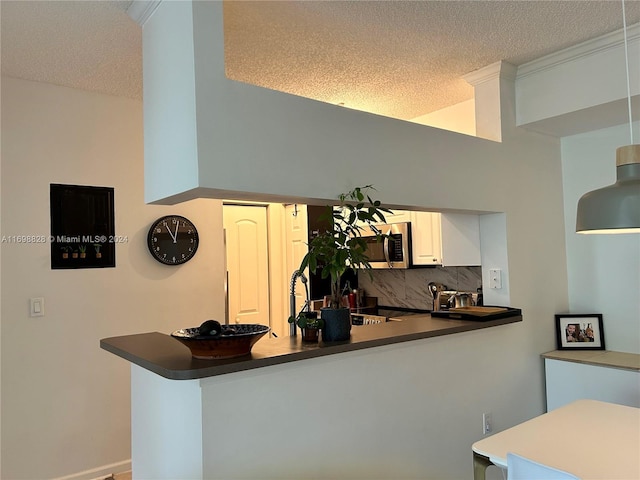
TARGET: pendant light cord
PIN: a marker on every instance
(626, 58)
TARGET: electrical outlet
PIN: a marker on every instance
(495, 278)
(487, 423)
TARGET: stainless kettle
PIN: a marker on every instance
(441, 295)
(461, 299)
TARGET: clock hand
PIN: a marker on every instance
(171, 234)
(175, 237)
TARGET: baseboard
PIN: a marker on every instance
(99, 473)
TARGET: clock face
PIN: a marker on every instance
(172, 240)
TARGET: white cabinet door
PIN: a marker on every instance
(445, 239)
(570, 381)
(426, 239)
(460, 235)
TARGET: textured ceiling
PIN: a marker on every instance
(90, 45)
(396, 58)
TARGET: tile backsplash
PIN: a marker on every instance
(408, 288)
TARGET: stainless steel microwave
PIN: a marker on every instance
(393, 251)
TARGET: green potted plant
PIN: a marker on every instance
(341, 247)
(83, 251)
(309, 324)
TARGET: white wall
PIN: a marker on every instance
(603, 270)
(405, 411)
(401, 411)
(66, 402)
(460, 118)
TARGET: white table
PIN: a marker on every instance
(589, 438)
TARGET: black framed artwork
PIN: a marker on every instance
(579, 331)
(82, 227)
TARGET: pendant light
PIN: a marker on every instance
(616, 208)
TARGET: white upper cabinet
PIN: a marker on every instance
(445, 239)
(425, 238)
(460, 234)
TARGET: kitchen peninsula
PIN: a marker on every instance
(196, 419)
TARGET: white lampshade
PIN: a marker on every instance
(616, 208)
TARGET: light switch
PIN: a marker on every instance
(495, 278)
(36, 307)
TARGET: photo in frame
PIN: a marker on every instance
(579, 331)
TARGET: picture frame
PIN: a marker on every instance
(580, 331)
(82, 227)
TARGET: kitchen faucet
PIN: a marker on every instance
(292, 299)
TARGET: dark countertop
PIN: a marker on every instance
(165, 356)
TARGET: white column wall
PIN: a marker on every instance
(166, 427)
(170, 108)
(493, 230)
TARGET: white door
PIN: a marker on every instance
(296, 248)
(247, 263)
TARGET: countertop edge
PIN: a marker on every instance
(599, 358)
(137, 360)
(147, 350)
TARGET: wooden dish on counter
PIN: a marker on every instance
(236, 341)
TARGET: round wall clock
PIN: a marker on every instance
(172, 240)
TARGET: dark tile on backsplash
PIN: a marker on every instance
(469, 278)
(384, 284)
(408, 288)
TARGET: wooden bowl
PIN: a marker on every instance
(225, 345)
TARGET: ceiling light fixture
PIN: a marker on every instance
(616, 208)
